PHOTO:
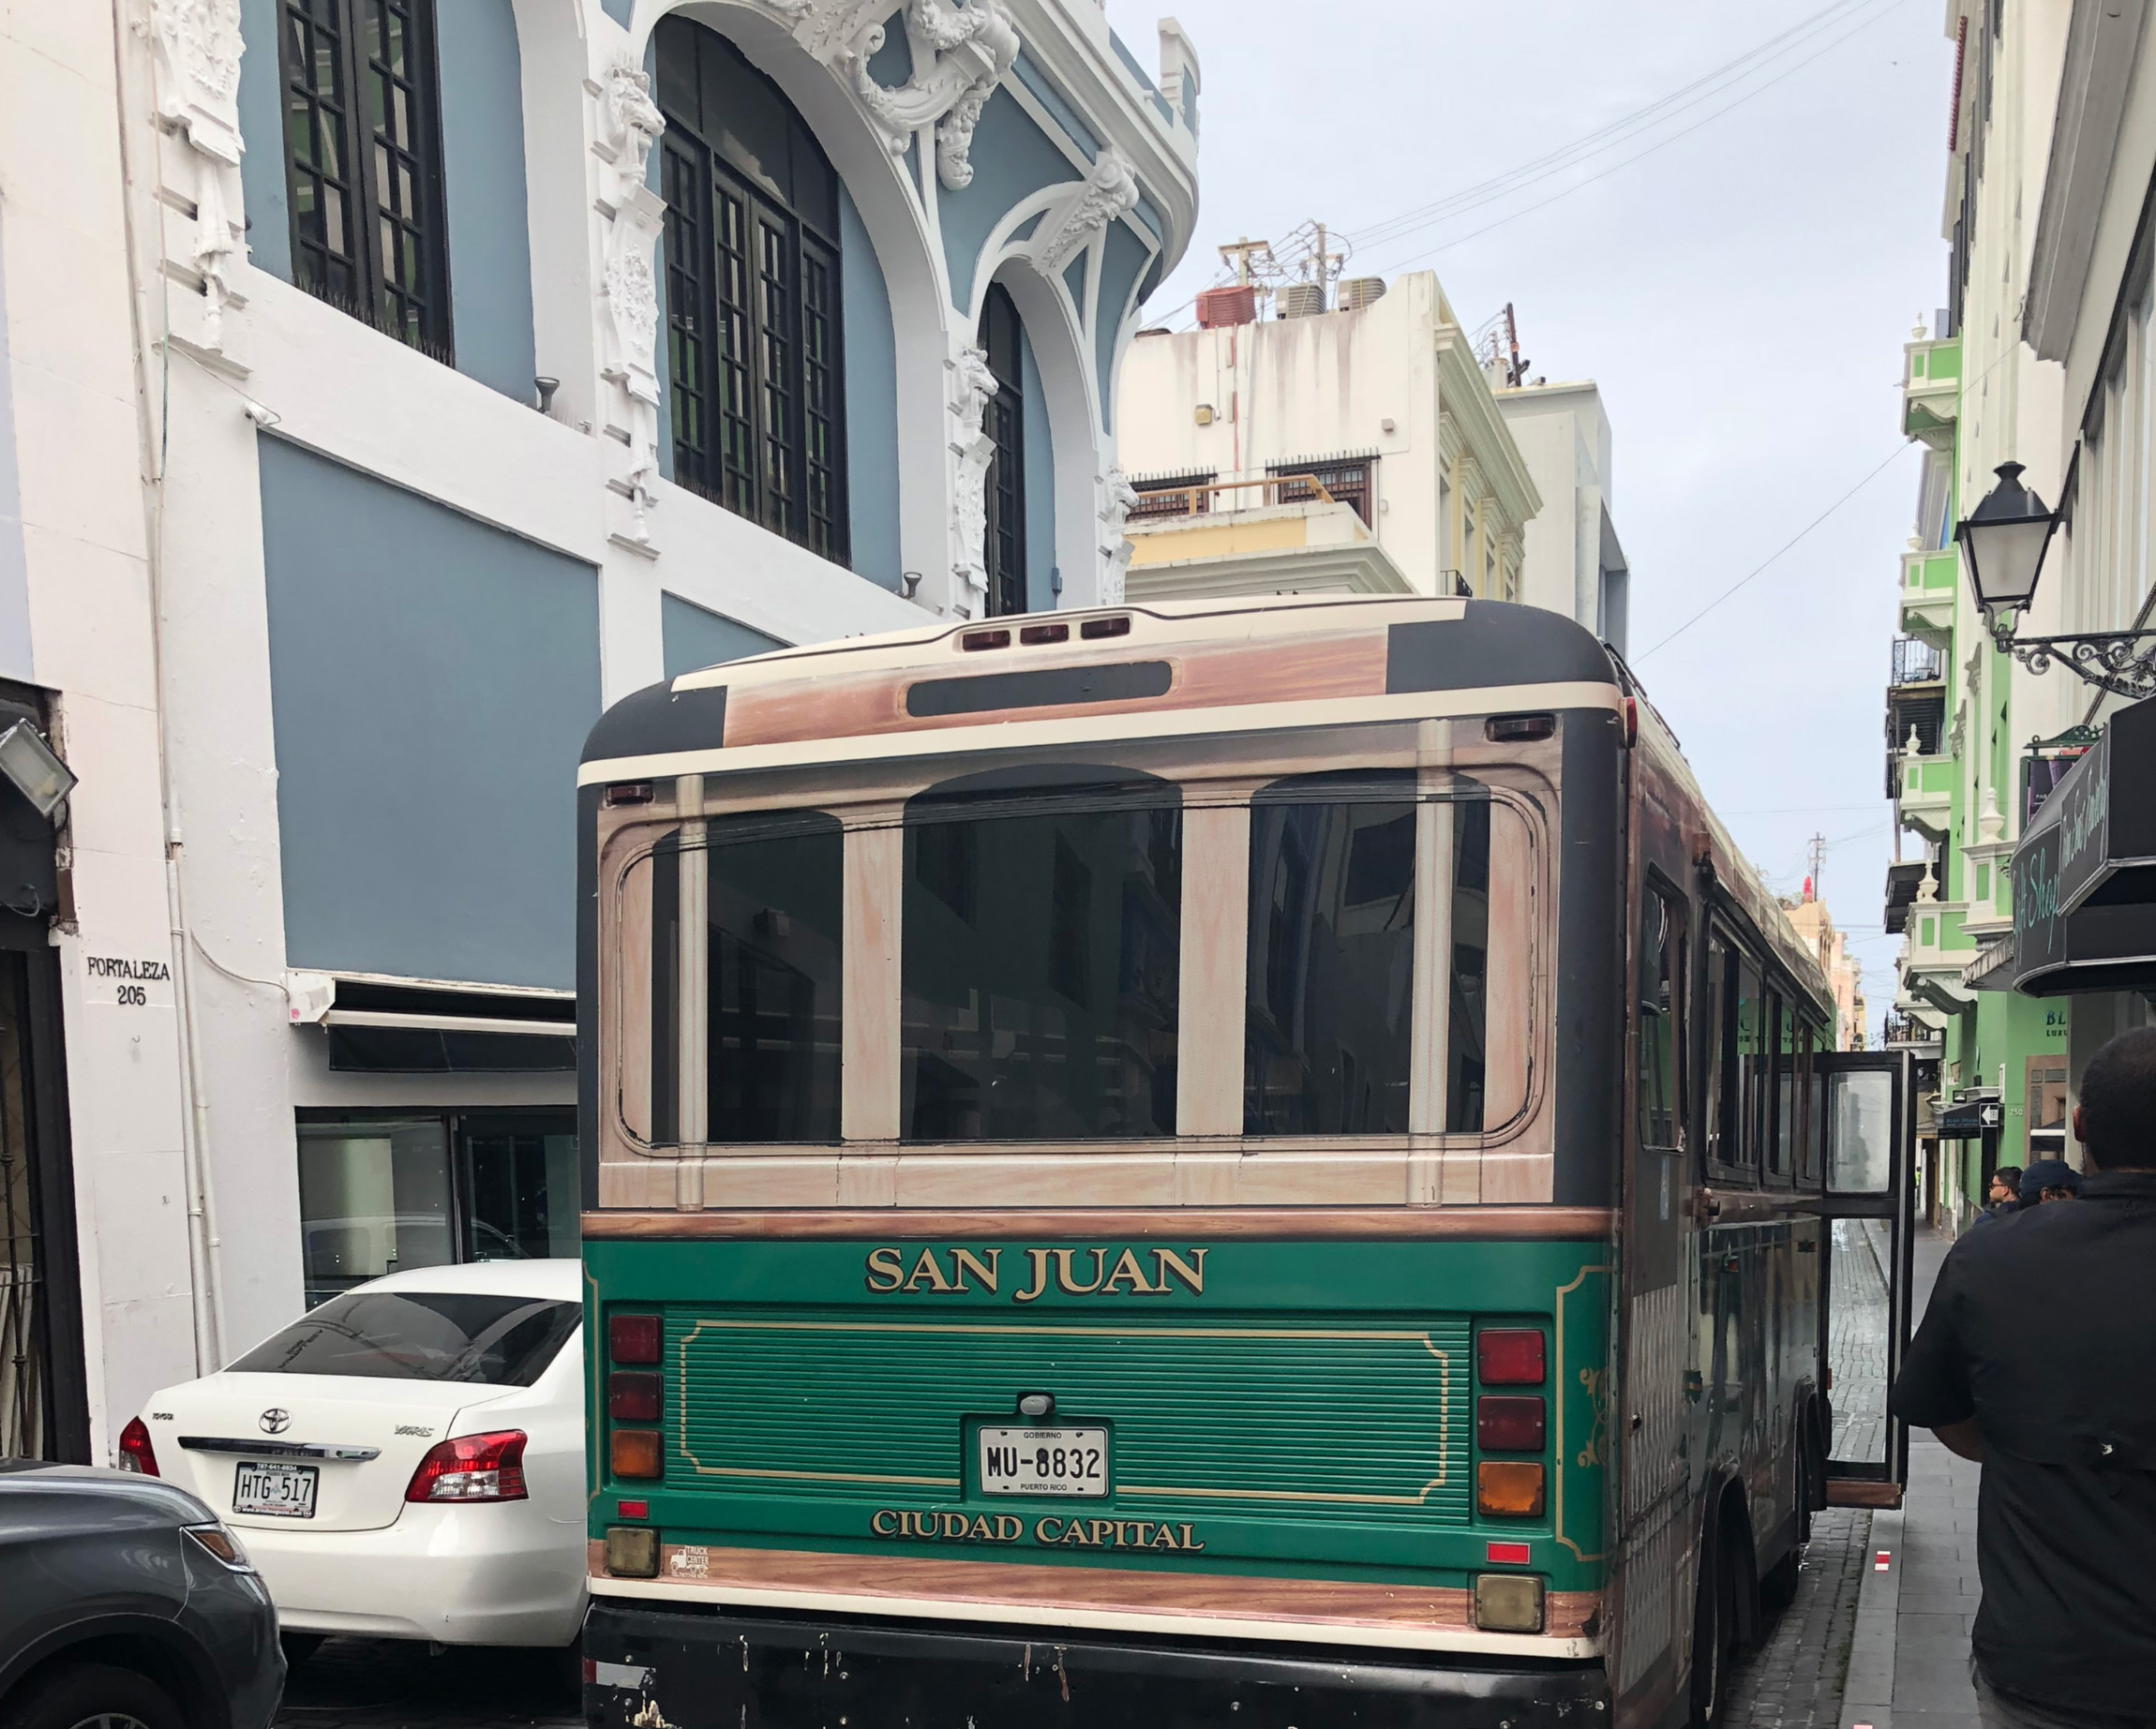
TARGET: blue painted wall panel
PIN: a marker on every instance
(871, 402)
(483, 163)
(1012, 158)
(1043, 91)
(261, 125)
(693, 637)
(620, 11)
(1126, 258)
(431, 682)
(1040, 483)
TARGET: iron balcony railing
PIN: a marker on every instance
(1916, 662)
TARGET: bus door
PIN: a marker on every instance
(1864, 1110)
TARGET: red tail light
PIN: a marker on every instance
(1510, 1357)
(136, 1453)
(632, 1396)
(1512, 1424)
(471, 1467)
(633, 1338)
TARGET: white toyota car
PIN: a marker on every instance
(407, 1460)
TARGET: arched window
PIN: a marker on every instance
(1005, 549)
(753, 321)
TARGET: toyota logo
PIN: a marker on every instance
(276, 1419)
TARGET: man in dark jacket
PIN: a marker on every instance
(2048, 1179)
(2004, 1197)
(2038, 1356)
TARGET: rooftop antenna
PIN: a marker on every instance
(1240, 254)
(1516, 369)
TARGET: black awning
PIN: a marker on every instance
(2085, 873)
(1966, 1122)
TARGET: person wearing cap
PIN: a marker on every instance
(2048, 1179)
(2004, 1197)
(2037, 1357)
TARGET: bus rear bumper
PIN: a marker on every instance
(647, 1668)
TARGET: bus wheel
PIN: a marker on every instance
(1713, 1635)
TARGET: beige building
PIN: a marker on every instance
(1415, 483)
(1815, 928)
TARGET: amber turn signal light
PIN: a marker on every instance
(1509, 1603)
(1509, 1488)
(635, 1452)
(1501, 1423)
(634, 1398)
(1506, 1357)
(633, 1338)
(632, 1551)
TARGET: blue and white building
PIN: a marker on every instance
(385, 387)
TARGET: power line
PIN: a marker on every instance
(1660, 145)
(1701, 89)
(1759, 567)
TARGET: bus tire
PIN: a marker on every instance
(1713, 1628)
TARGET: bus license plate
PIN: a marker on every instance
(276, 1491)
(1044, 1461)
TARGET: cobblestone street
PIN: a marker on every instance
(1794, 1679)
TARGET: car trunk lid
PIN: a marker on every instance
(361, 1436)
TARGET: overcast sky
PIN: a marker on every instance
(1741, 294)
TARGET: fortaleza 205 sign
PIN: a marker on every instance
(1049, 1532)
(1106, 1271)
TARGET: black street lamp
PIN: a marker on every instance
(2003, 541)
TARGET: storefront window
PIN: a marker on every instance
(386, 1194)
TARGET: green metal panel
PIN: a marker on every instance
(1289, 1409)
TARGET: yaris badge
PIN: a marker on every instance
(276, 1419)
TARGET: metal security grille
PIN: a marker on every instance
(26, 1368)
(1349, 482)
(755, 367)
(362, 159)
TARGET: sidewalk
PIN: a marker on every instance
(1909, 1666)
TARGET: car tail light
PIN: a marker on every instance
(1508, 1554)
(635, 1452)
(1509, 1603)
(632, 1397)
(1507, 1357)
(471, 1467)
(633, 1338)
(1509, 1488)
(1509, 1424)
(1094, 629)
(136, 1453)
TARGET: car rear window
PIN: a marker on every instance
(421, 1335)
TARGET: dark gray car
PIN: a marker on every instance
(123, 1605)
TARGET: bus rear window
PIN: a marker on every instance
(1331, 1024)
(1041, 968)
(766, 898)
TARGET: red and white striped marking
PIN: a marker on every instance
(1881, 1562)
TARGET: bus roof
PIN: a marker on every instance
(1255, 658)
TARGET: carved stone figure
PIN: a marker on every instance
(973, 388)
(960, 53)
(197, 47)
(1118, 499)
(1105, 193)
(633, 119)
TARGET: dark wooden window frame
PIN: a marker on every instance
(369, 226)
(1003, 545)
(755, 344)
(1350, 480)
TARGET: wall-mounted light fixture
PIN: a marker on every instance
(34, 769)
(2003, 542)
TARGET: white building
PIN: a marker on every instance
(1572, 561)
(374, 409)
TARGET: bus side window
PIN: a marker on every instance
(1747, 1099)
(1811, 1161)
(1717, 1048)
(1774, 1086)
(1661, 1016)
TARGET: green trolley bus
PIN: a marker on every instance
(1258, 1162)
